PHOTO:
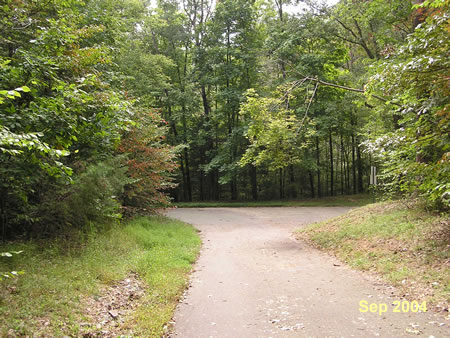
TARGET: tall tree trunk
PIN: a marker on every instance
(216, 182)
(205, 102)
(327, 173)
(281, 183)
(319, 186)
(201, 188)
(311, 183)
(347, 166)
(188, 175)
(184, 162)
(330, 140)
(186, 156)
(342, 165)
(360, 168)
(301, 186)
(185, 195)
(233, 190)
(3, 219)
(254, 182)
(355, 189)
(292, 181)
(281, 62)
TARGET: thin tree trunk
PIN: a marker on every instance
(281, 183)
(232, 190)
(185, 195)
(206, 108)
(355, 189)
(347, 166)
(216, 181)
(3, 218)
(311, 183)
(201, 189)
(330, 139)
(188, 175)
(342, 165)
(187, 187)
(254, 182)
(292, 181)
(186, 156)
(319, 189)
(360, 168)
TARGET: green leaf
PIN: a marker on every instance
(24, 89)
(13, 93)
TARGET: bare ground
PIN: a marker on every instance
(253, 279)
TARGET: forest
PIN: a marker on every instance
(109, 108)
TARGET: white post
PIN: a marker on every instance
(373, 175)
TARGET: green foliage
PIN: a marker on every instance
(150, 164)
(12, 274)
(273, 133)
(416, 154)
(92, 198)
(68, 110)
(372, 27)
(77, 78)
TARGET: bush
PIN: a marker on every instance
(415, 156)
(151, 164)
(92, 198)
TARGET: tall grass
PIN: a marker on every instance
(48, 298)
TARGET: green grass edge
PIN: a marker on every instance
(59, 274)
(335, 201)
(404, 244)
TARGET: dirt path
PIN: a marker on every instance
(254, 280)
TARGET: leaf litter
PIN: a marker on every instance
(108, 312)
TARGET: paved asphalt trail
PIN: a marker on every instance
(254, 280)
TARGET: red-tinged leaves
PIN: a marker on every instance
(151, 163)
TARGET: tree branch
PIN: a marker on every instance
(307, 108)
(346, 39)
(349, 89)
(347, 28)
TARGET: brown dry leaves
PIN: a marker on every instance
(108, 312)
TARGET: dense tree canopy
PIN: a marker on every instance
(112, 105)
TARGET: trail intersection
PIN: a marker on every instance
(254, 280)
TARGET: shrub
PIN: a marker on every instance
(150, 164)
(92, 198)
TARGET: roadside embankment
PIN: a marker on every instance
(408, 246)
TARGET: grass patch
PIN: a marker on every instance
(408, 246)
(349, 200)
(48, 299)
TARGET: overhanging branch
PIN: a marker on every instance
(349, 89)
